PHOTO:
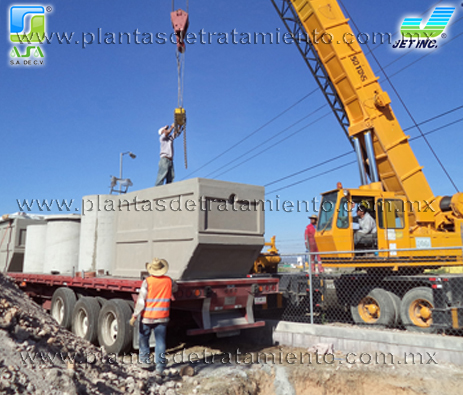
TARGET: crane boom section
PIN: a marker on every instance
(366, 104)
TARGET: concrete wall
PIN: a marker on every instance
(448, 349)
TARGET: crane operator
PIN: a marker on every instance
(366, 234)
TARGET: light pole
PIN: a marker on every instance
(131, 154)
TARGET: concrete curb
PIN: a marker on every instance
(357, 340)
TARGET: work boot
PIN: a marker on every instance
(158, 377)
(146, 365)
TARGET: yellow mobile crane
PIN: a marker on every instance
(415, 229)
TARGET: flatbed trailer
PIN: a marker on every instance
(99, 308)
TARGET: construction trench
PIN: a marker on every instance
(39, 357)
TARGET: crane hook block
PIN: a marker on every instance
(180, 22)
(180, 116)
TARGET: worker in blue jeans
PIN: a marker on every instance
(166, 162)
(153, 305)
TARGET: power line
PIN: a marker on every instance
(406, 108)
(325, 105)
(253, 133)
(350, 152)
(312, 177)
(421, 58)
(350, 163)
(310, 168)
(435, 117)
(411, 50)
(437, 129)
(278, 142)
(266, 141)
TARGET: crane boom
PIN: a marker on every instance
(362, 99)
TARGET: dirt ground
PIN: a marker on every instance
(39, 357)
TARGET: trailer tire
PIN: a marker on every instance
(62, 305)
(397, 302)
(375, 308)
(114, 330)
(415, 310)
(85, 319)
(101, 301)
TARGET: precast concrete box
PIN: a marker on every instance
(204, 228)
(13, 230)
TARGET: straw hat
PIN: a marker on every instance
(313, 217)
(158, 267)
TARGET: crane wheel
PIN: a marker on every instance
(373, 308)
(85, 319)
(415, 310)
(397, 302)
(62, 305)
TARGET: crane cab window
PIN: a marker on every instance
(327, 207)
(343, 214)
(390, 214)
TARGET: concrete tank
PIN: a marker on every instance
(204, 228)
(34, 256)
(13, 230)
(62, 246)
(96, 250)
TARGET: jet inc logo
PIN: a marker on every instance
(413, 35)
(17, 24)
(435, 26)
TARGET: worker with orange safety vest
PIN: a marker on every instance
(153, 304)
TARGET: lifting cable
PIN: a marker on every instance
(180, 22)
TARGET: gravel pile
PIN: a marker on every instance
(39, 357)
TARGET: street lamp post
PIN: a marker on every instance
(131, 154)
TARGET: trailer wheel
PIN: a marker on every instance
(101, 301)
(374, 309)
(114, 330)
(85, 319)
(397, 302)
(415, 310)
(62, 306)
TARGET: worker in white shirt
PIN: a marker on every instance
(366, 235)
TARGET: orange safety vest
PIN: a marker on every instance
(157, 304)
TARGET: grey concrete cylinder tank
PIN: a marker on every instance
(35, 248)
(62, 246)
(96, 251)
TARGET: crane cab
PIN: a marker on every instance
(339, 228)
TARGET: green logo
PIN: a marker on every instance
(411, 27)
(17, 25)
(37, 53)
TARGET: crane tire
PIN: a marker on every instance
(415, 310)
(397, 302)
(62, 305)
(374, 308)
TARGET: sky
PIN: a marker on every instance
(65, 124)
